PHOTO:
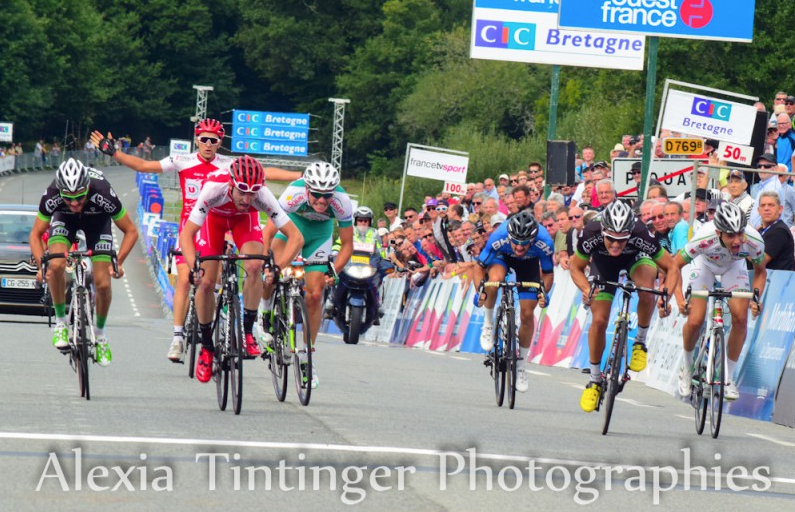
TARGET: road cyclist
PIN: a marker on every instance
(524, 246)
(80, 198)
(618, 241)
(720, 247)
(230, 200)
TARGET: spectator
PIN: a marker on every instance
(490, 206)
(768, 181)
(588, 156)
(657, 192)
(535, 194)
(477, 202)
(496, 220)
(522, 178)
(660, 225)
(381, 223)
(579, 193)
(394, 221)
(605, 193)
(779, 245)
(587, 193)
(521, 196)
(409, 216)
(787, 197)
(510, 203)
(554, 202)
(677, 227)
(785, 144)
(455, 212)
(539, 208)
(737, 186)
(479, 187)
(490, 189)
(577, 219)
(505, 180)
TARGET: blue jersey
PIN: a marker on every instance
(498, 246)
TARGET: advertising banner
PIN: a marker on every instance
(437, 165)
(528, 32)
(179, 147)
(711, 118)
(271, 133)
(724, 20)
(6, 132)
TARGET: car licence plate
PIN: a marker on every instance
(28, 284)
(360, 259)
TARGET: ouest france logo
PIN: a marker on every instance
(695, 14)
(504, 34)
(710, 108)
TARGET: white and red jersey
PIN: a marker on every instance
(216, 198)
(193, 171)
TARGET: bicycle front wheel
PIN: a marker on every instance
(278, 362)
(500, 362)
(698, 394)
(220, 363)
(511, 357)
(302, 344)
(81, 341)
(235, 354)
(613, 372)
(717, 382)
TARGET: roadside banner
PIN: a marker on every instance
(528, 32)
(411, 307)
(450, 317)
(784, 408)
(419, 327)
(769, 345)
(437, 164)
(179, 147)
(6, 132)
(462, 324)
(708, 117)
(435, 339)
(664, 343)
(552, 346)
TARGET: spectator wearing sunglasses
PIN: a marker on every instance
(192, 170)
(393, 220)
(409, 216)
(577, 222)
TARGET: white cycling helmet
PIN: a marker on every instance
(71, 177)
(730, 218)
(618, 218)
(321, 177)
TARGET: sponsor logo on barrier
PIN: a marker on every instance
(782, 318)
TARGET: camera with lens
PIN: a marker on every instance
(634, 139)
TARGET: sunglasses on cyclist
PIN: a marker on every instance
(519, 242)
(322, 195)
(618, 238)
(212, 141)
(245, 188)
(74, 197)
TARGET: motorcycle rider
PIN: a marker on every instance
(364, 236)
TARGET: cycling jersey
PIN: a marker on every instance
(498, 251)
(216, 197)
(317, 228)
(193, 171)
(101, 206)
(706, 243)
(641, 248)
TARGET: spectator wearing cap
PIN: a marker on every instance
(618, 152)
(393, 220)
(505, 180)
(738, 194)
(767, 181)
(772, 136)
(785, 143)
(779, 245)
(577, 197)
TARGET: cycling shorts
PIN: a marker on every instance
(526, 270)
(734, 277)
(97, 228)
(610, 272)
(317, 242)
(244, 227)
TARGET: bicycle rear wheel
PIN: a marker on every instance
(278, 356)
(220, 363)
(500, 350)
(299, 331)
(613, 372)
(80, 341)
(511, 357)
(717, 383)
(235, 354)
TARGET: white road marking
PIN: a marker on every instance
(635, 402)
(460, 358)
(772, 439)
(533, 372)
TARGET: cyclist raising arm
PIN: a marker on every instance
(312, 203)
(81, 198)
(193, 170)
(229, 201)
(618, 242)
(522, 245)
(720, 248)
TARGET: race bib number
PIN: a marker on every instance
(363, 247)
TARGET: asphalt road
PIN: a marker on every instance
(389, 428)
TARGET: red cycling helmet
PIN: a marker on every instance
(211, 126)
(247, 174)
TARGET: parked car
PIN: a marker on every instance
(18, 291)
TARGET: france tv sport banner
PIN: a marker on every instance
(722, 20)
(270, 133)
(708, 117)
(436, 165)
(528, 32)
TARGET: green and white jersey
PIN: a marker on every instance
(706, 243)
(295, 202)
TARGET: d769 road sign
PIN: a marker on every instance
(680, 146)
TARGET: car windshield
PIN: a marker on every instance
(15, 227)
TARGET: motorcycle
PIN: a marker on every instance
(355, 295)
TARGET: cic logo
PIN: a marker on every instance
(711, 108)
(247, 131)
(502, 34)
(248, 117)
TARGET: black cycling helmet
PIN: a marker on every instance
(523, 227)
(730, 218)
(618, 218)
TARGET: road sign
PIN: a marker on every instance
(680, 146)
(736, 153)
(675, 174)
